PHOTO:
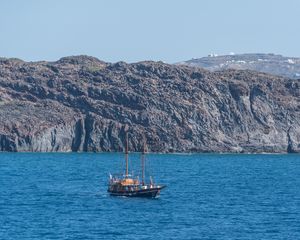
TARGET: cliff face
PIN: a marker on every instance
(83, 104)
(268, 63)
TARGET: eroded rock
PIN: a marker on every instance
(83, 104)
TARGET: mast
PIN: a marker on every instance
(143, 164)
(126, 155)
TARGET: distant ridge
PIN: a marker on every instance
(268, 63)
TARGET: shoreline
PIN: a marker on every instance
(160, 153)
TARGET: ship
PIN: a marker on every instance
(127, 185)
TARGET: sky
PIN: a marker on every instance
(137, 30)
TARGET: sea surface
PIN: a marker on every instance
(208, 196)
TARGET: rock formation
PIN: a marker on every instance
(83, 104)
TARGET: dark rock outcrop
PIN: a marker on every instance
(83, 104)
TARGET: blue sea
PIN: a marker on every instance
(208, 196)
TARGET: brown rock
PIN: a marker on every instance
(83, 104)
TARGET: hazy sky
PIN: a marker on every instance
(135, 30)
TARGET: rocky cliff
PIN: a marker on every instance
(83, 104)
(268, 63)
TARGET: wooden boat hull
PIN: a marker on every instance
(145, 193)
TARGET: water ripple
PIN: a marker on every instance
(209, 196)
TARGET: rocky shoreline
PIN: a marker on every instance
(83, 104)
